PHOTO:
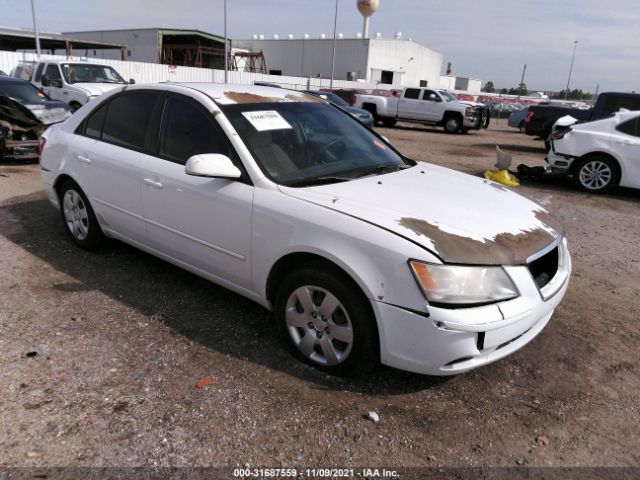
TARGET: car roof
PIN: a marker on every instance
(229, 94)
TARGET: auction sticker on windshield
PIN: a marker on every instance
(266, 120)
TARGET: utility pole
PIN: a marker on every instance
(333, 56)
(35, 28)
(521, 81)
(226, 48)
(575, 45)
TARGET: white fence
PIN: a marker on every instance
(154, 73)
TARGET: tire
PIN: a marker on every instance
(547, 144)
(373, 111)
(597, 174)
(452, 123)
(389, 122)
(521, 126)
(339, 337)
(75, 106)
(78, 216)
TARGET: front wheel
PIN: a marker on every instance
(79, 219)
(389, 122)
(452, 124)
(597, 174)
(326, 321)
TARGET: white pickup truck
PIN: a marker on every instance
(428, 106)
(75, 83)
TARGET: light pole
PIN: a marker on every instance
(226, 53)
(575, 45)
(35, 28)
(333, 55)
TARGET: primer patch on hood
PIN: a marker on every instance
(504, 248)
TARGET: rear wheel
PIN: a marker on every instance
(389, 122)
(325, 320)
(74, 106)
(597, 174)
(79, 219)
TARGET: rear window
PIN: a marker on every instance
(128, 118)
(413, 93)
(614, 103)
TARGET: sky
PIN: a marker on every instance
(488, 39)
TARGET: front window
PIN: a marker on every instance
(449, 97)
(88, 73)
(303, 143)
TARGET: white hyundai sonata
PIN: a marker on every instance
(364, 255)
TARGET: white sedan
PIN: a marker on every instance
(363, 254)
(599, 155)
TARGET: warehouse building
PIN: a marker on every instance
(391, 62)
(172, 46)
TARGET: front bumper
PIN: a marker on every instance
(560, 164)
(452, 341)
(20, 149)
(478, 119)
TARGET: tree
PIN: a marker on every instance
(504, 91)
(489, 87)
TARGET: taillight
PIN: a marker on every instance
(352, 100)
(527, 117)
(41, 145)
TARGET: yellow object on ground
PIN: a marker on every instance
(503, 177)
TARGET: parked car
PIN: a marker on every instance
(24, 114)
(516, 118)
(426, 106)
(75, 83)
(361, 115)
(540, 119)
(599, 155)
(364, 255)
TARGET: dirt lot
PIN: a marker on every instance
(121, 338)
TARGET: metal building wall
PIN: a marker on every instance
(312, 57)
(143, 43)
(415, 61)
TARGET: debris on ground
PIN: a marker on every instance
(542, 441)
(373, 416)
(531, 172)
(502, 176)
(204, 382)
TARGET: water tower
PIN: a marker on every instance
(366, 9)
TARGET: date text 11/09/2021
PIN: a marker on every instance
(314, 472)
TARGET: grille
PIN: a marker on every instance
(543, 269)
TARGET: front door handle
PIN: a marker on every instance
(152, 183)
(83, 159)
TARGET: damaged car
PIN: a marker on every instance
(363, 255)
(25, 112)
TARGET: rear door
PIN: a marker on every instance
(108, 155)
(409, 104)
(203, 222)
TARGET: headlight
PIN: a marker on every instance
(470, 112)
(91, 97)
(454, 285)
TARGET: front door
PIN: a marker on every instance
(204, 222)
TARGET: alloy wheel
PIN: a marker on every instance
(595, 175)
(75, 214)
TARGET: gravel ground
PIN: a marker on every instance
(121, 338)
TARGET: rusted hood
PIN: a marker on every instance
(461, 218)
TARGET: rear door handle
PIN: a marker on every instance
(152, 183)
(83, 159)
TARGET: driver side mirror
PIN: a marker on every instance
(212, 165)
(132, 81)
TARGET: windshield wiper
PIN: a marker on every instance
(380, 169)
(318, 181)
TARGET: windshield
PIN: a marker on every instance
(305, 143)
(449, 97)
(87, 73)
(23, 93)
